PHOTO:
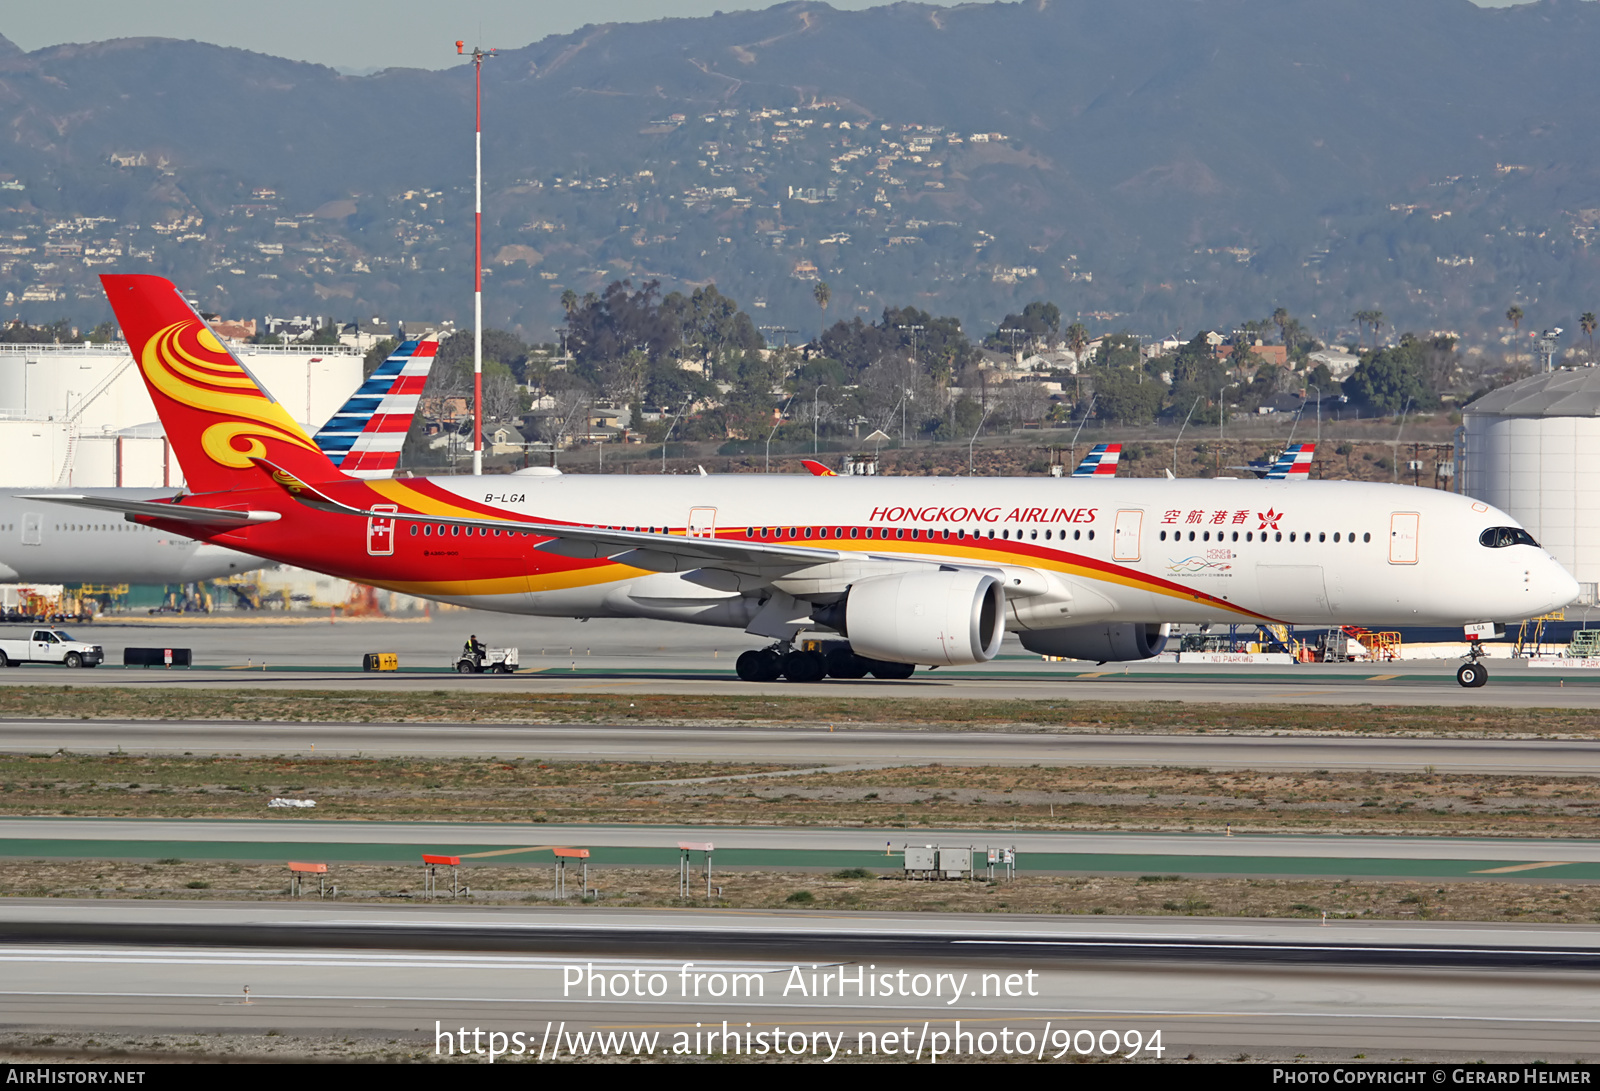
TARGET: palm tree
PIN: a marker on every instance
(569, 300)
(1077, 340)
(822, 293)
(1376, 318)
(1360, 319)
(1514, 316)
(1587, 323)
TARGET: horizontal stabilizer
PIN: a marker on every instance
(173, 512)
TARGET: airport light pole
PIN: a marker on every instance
(767, 468)
(478, 56)
(914, 330)
(814, 395)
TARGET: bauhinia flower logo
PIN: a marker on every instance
(1269, 519)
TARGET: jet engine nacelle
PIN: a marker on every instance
(1107, 642)
(944, 618)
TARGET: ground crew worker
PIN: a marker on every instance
(473, 650)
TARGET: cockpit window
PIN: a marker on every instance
(1500, 537)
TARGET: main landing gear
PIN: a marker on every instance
(1472, 673)
(783, 660)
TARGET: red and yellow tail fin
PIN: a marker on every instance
(217, 417)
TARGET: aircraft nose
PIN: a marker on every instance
(1562, 587)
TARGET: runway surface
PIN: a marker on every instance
(1213, 987)
(807, 747)
(502, 845)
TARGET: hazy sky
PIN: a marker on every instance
(350, 34)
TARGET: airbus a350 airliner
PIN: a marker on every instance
(909, 570)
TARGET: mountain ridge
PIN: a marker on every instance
(1256, 149)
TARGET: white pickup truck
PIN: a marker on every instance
(50, 646)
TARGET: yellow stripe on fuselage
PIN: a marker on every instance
(403, 494)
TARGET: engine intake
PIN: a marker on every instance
(1108, 642)
(945, 618)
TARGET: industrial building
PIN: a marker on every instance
(78, 416)
(1532, 449)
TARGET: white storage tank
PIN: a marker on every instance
(1533, 449)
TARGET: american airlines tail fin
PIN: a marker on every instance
(1294, 464)
(364, 437)
(1100, 462)
(216, 415)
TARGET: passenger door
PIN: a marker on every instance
(32, 528)
(380, 532)
(1125, 536)
(702, 522)
(1404, 528)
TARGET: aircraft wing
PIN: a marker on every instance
(657, 552)
(176, 512)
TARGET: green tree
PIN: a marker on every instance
(1388, 378)
(1120, 350)
(1039, 321)
(1121, 396)
(711, 327)
(1587, 324)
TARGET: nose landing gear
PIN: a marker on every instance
(1472, 673)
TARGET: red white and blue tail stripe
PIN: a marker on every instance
(364, 437)
(1294, 464)
(1100, 462)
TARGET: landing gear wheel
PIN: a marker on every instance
(804, 667)
(762, 666)
(1472, 675)
(892, 672)
(844, 663)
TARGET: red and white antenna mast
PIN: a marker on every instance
(478, 55)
